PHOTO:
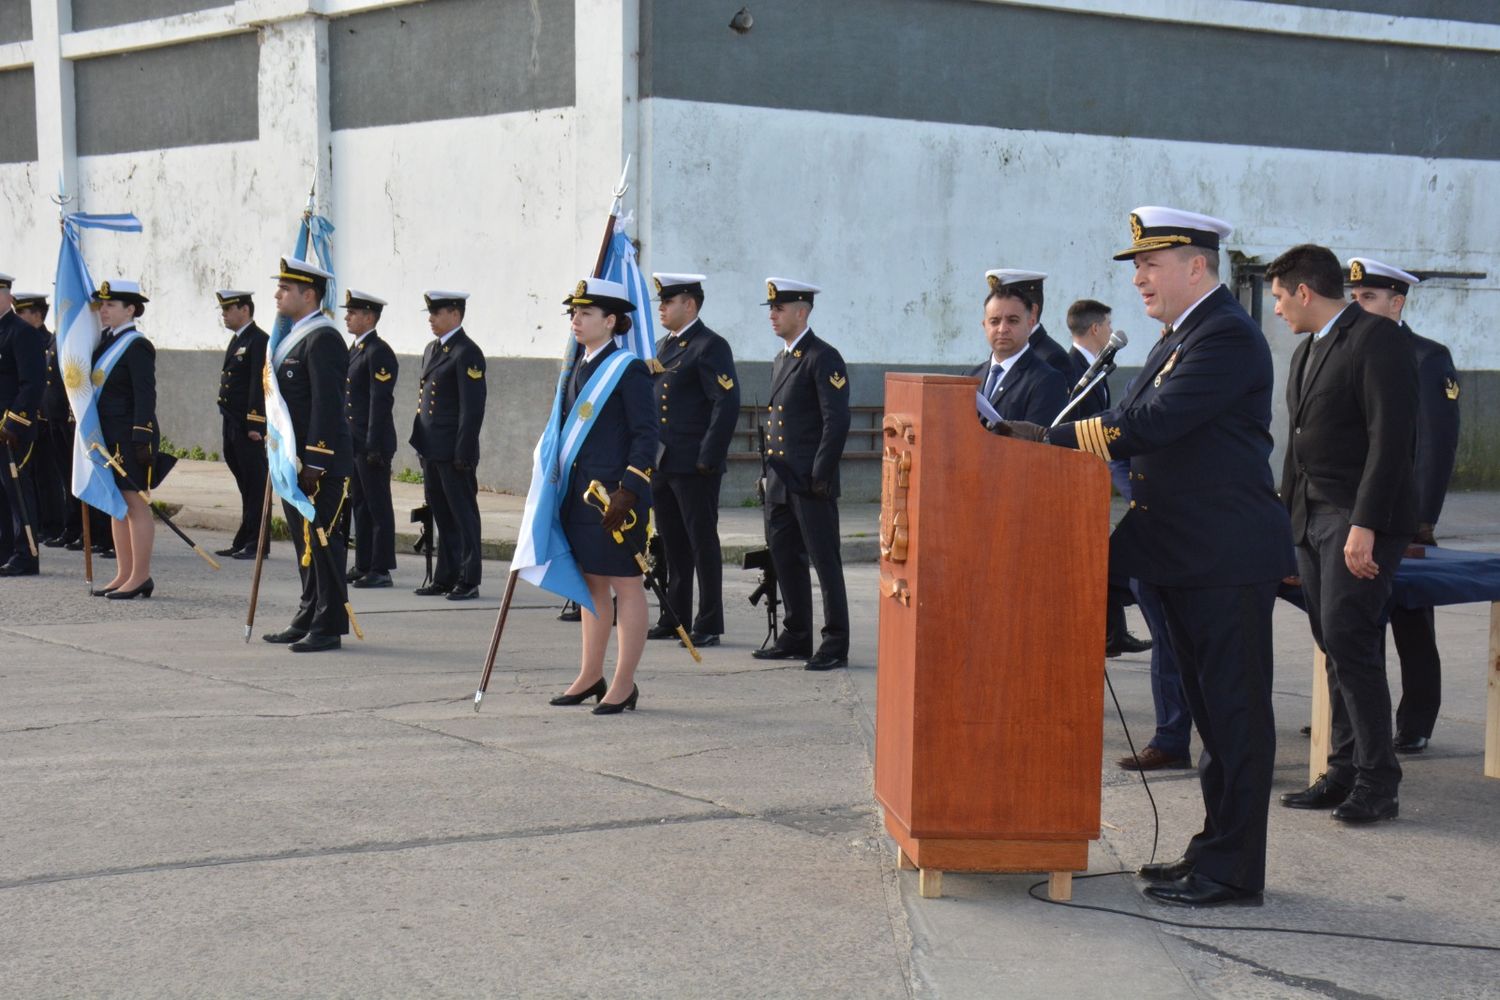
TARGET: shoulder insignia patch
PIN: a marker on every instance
(837, 381)
(476, 373)
(1111, 434)
(1450, 387)
(383, 376)
(726, 382)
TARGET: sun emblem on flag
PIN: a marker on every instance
(73, 377)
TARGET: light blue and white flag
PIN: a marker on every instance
(621, 264)
(77, 337)
(543, 556)
(281, 437)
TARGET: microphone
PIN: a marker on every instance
(1117, 340)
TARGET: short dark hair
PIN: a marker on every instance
(1085, 313)
(1026, 298)
(40, 307)
(1311, 265)
(696, 294)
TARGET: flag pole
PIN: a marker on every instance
(260, 557)
(510, 581)
(62, 200)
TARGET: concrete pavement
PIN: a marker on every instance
(185, 815)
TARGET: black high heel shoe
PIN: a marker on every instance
(597, 691)
(607, 708)
(144, 590)
(105, 592)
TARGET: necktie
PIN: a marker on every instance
(993, 382)
(1310, 363)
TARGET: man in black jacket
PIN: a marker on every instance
(23, 372)
(1206, 529)
(1030, 283)
(445, 433)
(807, 421)
(698, 404)
(52, 455)
(369, 401)
(1382, 290)
(309, 364)
(1347, 482)
(1017, 379)
(242, 402)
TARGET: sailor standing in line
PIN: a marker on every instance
(369, 399)
(23, 372)
(698, 404)
(242, 401)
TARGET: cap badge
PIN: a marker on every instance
(1356, 271)
(581, 289)
(770, 289)
(994, 281)
(104, 290)
(1135, 227)
(657, 283)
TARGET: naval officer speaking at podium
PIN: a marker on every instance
(1206, 528)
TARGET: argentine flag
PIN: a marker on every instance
(621, 265)
(543, 557)
(77, 336)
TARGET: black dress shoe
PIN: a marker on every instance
(231, 551)
(1322, 794)
(700, 639)
(1169, 872)
(315, 643)
(615, 708)
(1200, 890)
(596, 691)
(1125, 643)
(824, 661)
(1409, 744)
(56, 542)
(144, 590)
(104, 553)
(781, 653)
(76, 545)
(571, 612)
(660, 631)
(432, 590)
(1365, 806)
(27, 568)
(285, 636)
(246, 553)
(372, 580)
(354, 575)
(462, 593)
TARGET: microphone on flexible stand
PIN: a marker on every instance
(1106, 359)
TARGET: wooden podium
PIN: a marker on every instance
(988, 717)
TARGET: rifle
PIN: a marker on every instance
(423, 516)
(761, 558)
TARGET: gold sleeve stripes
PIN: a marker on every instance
(1094, 437)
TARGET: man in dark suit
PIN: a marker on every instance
(309, 364)
(1016, 380)
(698, 404)
(1382, 290)
(369, 402)
(23, 373)
(1347, 481)
(445, 433)
(807, 421)
(51, 455)
(1206, 528)
(1029, 283)
(242, 402)
(1090, 326)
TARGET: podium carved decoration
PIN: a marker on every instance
(895, 483)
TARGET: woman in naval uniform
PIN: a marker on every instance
(126, 391)
(619, 451)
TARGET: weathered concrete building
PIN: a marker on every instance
(890, 150)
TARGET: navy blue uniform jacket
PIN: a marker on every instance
(1196, 427)
(1353, 430)
(807, 420)
(23, 373)
(309, 378)
(1032, 390)
(370, 396)
(1437, 424)
(450, 401)
(697, 400)
(1049, 350)
(242, 386)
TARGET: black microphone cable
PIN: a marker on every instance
(1188, 925)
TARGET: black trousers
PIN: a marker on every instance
(802, 530)
(1421, 671)
(374, 519)
(1348, 623)
(687, 518)
(324, 592)
(53, 459)
(1222, 640)
(453, 495)
(247, 463)
(21, 508)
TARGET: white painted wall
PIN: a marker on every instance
(898, 221)
(28, 238)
